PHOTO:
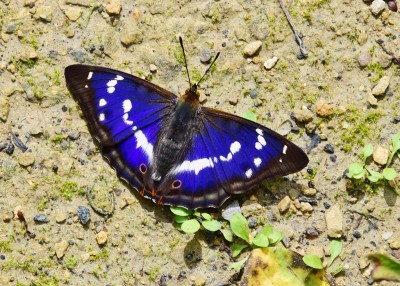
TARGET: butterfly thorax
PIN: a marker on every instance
(174, 142)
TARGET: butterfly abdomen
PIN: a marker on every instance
(173, 144)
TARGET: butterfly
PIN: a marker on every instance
(173, 150)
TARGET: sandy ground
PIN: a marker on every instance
(40, 38)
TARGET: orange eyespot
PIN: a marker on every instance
(143, 168)
(176, 184)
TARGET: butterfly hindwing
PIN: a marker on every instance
(124, 114)
(231, 155)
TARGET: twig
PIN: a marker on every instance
(303, 50)
(395, 60)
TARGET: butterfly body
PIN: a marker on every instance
(173, 150)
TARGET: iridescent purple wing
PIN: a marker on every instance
(124, 114)
(230, 155)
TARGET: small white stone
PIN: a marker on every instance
(381, 155)
(252, 48)
(377, 6)
(387, 235)
(382, 85)
(334, 222)
(270, 63)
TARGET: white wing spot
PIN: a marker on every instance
(261, 140)
(102, 117)
(125, 118)
(118, 77)
(134, 128)
(227, 159)
(90, 75)
(249, 173)
(215, 160)
(195, 165)
(86, 86)
(112, 82)
(144, 144)
(257, 162)
(110, 89)
(259, 131)
(127, 105)
(235, 147)
(280, 160)
(284, 149)
(102, 102)
(258, 146)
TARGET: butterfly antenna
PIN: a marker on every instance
(184, 57)
(216, 57)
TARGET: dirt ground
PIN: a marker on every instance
(327, 95)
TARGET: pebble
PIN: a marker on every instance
(60, 248)
(205, 55)
(387, 235)
(394, 242)
(270, 63)
(284, 204)
(364, 59)
(11, 28)
(285, 128)
(230, 210)
(306, 207)
(309, 192)
(113, 7)
(153, 68)
(83, 214)
(357, 234)
(334, 222)
(363, 262)
(6, 217)
(40, 218)
(372, 100)
(381, 87)
(380, 155)
(392, 5)
(60, 216)
(4, 108)
(130, 34)
(362, 38)
(370, 206)
(252, 48)
(328, 148)
(311, 232)
(253, 93)
(377, 6)
(26, 159)
(323, 109)
(73, 13)
(303, 115)
(44, 12)
(101, 237)
(385, 60)
(250, 208)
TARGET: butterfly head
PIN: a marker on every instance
(191, 95)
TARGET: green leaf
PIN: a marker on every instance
(368, 151)
(335, 248)
(180, 211)
(190, 226)
(312, 261)
(396, 142)
(356, 171)
(389, 174)
(239, 226)
(375, 176)
(180, 219)
(227, 234)
(239, 264)
(250, 116)
(211, 225)
(206, 216)
(386, 268)
(261, 240)
(337, 270)
(236, 248)
(275, 237)
(267, 230)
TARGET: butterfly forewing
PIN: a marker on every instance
(124, 113)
